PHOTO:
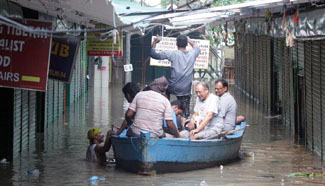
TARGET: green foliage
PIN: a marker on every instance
(227, 2)
(165, 3)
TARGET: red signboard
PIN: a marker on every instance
(24, 56)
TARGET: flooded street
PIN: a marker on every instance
(268, 152)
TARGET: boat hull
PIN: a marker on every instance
(146, 155)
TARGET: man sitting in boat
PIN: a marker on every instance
(130, 90)
(228, 106)
(177, 109)
(151, 107)
(96, 150)
(203, 123)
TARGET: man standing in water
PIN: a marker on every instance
(182, 65)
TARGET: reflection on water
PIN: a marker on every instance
(268, 152)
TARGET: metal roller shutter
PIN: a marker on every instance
(257, 78)
(49, 95)
(323, 95)
(309, 101)
(250, 63)
(301, 58)
(280, 46)
(277, 75)
(32, 116)
(24, 119)
(61, 98)
(237, 62)
(285, 86)
(288, 96)
(55, 100)
(247, 67)
(17, 122)
(253, 66)
(267, 90)
(316, 95)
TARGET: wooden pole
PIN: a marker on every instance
(225, 133)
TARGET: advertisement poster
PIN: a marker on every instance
(169, 43)
(101, 45)
(63, 54)
(24, 56)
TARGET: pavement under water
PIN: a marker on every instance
(269, 153)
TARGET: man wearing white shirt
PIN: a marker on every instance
(205, 112)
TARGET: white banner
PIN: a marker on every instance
(169, 43)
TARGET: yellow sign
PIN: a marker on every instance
(108, 44)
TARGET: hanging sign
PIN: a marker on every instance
(169, 44)
(63, 54)
(100, 45)
(128, 68)
(24, 56)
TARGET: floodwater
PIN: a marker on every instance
(269, 153)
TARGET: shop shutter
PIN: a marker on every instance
(24, 119)
(49, 95)
(287, 90)
(323, 95)
(301, 58)
(285, 86)
(277, 75)
(280, 48)
(250, 63)
(267, 80)
(316, 95)
(258, 86)
(72, 88)
(17, 122)
(61, 98)
(55, 100)
(309, 101)
(238, 62)
(245, 58)
(32, 116)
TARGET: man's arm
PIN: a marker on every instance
(107, 145)
(157, 40)
(172, 128)
(204, 123)
(129, 115)
(123, 126)
(191, 125)
(158, 55)
(190, 42)
(230, 114)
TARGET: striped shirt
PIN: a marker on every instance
(151, 108)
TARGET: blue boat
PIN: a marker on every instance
(145, 155)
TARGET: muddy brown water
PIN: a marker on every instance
(269, 151)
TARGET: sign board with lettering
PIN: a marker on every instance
(128, 68)
(24, 56)
(98, 45)
(63, 54)
(169, 44)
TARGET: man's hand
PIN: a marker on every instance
(195, 131)
(190, 42)
(158, 39)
